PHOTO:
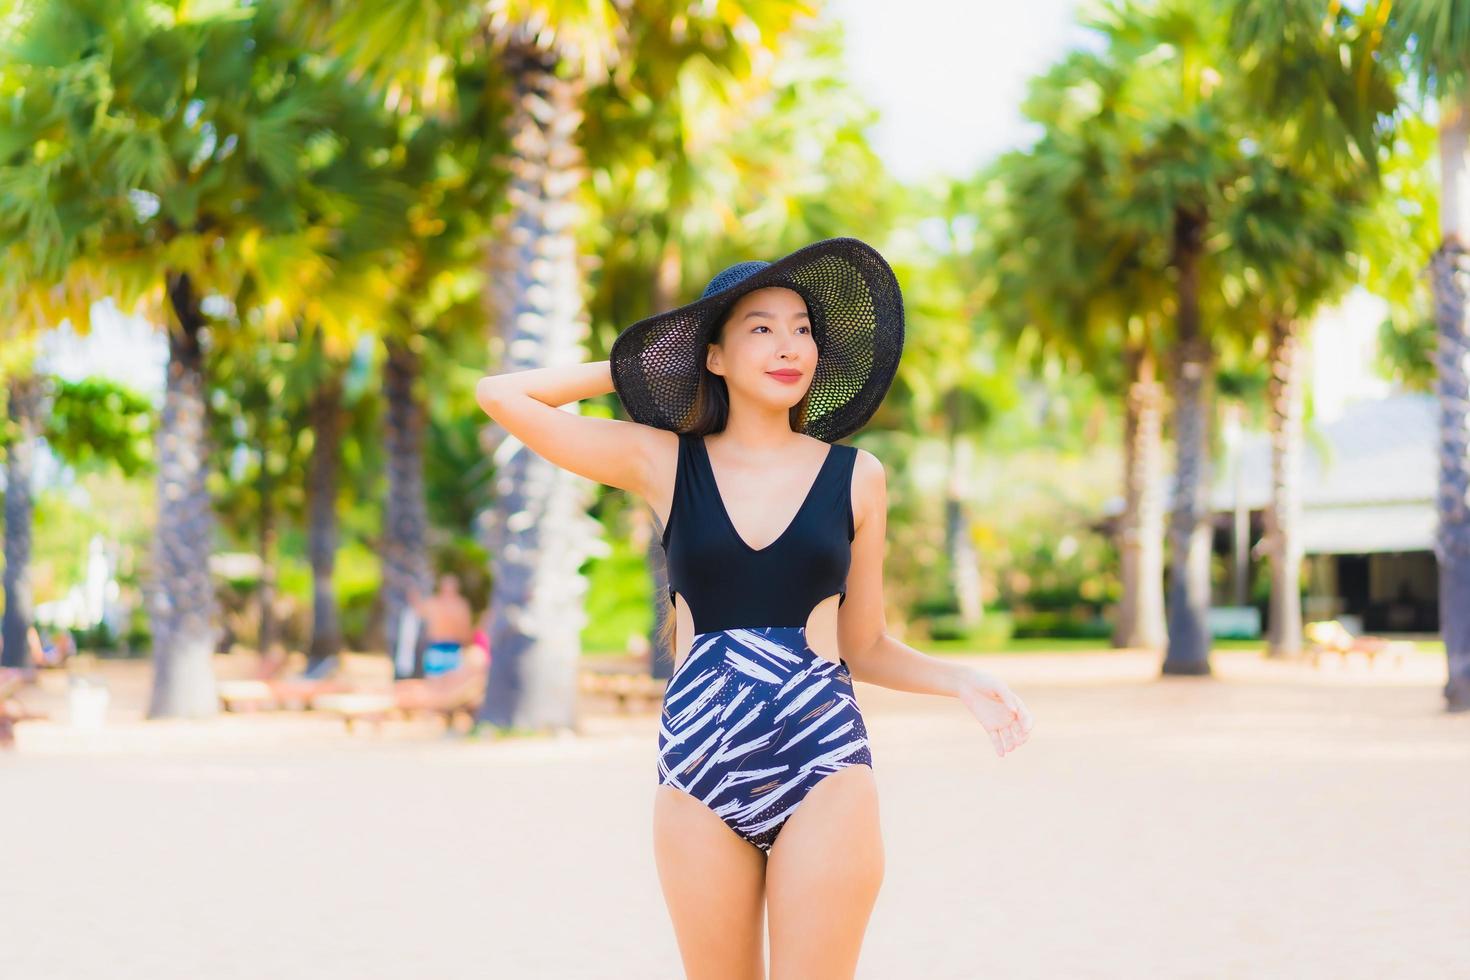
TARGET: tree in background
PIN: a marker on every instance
(1076, 285)
(172, 154)
(547, 55)
(1305, 210)
(1435, 34)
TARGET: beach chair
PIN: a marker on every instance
(454, 692)
(358, 706)
(628, 687)
(12, 710)
(1330, 636)
(308, 687)
(253, 693)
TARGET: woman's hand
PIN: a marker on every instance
(997, 707)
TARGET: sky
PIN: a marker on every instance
(948, 76)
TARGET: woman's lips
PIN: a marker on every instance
(787, 376)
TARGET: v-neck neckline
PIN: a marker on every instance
(709, 470)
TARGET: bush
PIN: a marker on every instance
(947, 627)
(935, 606)
(1062, 625)
(993, 630)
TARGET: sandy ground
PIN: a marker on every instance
(1272, 821)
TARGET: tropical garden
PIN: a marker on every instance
(337, 217)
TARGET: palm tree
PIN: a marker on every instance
(435, 303)
(1072, 273)
(180, 140)
(25, 411)
(65, 414)
(256, 432)
(547, 55)
(1306, 205)
(957, 377)
(1183, 144)
(1435, 35)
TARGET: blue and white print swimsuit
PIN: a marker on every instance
(753, 718)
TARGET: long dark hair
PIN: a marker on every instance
(710, 413)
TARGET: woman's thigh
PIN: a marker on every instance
(713, 883)
(823, 876)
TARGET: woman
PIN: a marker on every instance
(766, 793)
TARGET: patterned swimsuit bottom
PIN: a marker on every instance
(752, 720)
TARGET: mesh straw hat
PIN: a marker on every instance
(856, 311)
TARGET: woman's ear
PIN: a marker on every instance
(712, 358)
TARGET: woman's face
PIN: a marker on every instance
(766, 352)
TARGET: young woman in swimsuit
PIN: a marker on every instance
(766, 800)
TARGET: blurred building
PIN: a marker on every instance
(1368, 484)
(1368, 515)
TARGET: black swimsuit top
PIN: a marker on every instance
(728, 584)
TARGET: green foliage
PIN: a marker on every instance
(1044, 570)
(619, 591)
(1054, 623)
(153, 137)
(66, 518)
(356, 580)
(699, 159)
(1435, 34)
(95, 423)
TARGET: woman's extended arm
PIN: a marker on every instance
(875, 657)
(611, 451)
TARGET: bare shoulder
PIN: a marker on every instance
(869, 486)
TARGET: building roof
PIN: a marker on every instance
(1369, 478)
(1376, 452)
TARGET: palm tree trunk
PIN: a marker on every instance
(538, 533)
(1283, 517)
(1449, 271)
(20, 456)
(406, 523)
(321, 532)
(182, 603)
(666, 280)
(1141, 530)
(660, 665)
(964, 563)
(1189, 526)
(267, 595)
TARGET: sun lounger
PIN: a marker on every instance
(454, 692)
(11, 708)
(272, 688)
(356, 706)
(450, 694)
(1330, 636)
(629, 688)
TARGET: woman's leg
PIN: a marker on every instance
(823, 876)
(713, 883)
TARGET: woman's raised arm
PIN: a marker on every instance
(611, 451)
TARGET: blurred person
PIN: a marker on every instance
(52, 650)
(766, 799)
(448, 624)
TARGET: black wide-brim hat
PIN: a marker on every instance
(856, 311)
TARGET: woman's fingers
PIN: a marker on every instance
(1023, 713)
